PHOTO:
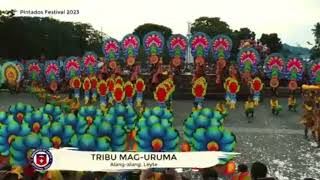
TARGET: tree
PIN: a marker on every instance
(272, 41)
(315, 51)
(31, 37)
(211, 26)
(143, 29)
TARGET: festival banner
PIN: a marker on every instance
(74, 160)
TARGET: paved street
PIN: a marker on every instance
(275, 140)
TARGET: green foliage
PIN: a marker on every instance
(30, 37)
(272, 41)
(211, 26)
(315, 51)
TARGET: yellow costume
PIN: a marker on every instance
(292, 103)
(222, 109)
(249, 107)
(275, 107)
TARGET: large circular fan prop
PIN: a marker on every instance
(153, 43)
(52, 73)
(72, 67)
(111, 50)
(294, 72)
(90, 63)
(200, 46)
(177, 46)
(248, 59)
(221, 48)
(315, 73)
(35, 70)
(130, 45)
(11, 73)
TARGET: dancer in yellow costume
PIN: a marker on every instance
(275, 107)
(292, 103)
(249, 107)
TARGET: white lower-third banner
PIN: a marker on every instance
(71, 159)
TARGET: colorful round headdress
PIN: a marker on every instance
(248, 59)
(130, 46)
(315, 73)
(294, 68)
(111, 50)
(200, 45)
(11, 73)
(294, 71)
(177, 46)
(90, 63)
(72, 67)
(34, 70)
(274, 67)
(221, 46)
(153, 43)
(52, 71)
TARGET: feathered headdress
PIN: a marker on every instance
(72, 67)
(200, 45)
(34, 70)
(177, 46)
(111, 50)
(153, 43)
(90, 63)
(130, 46)
(221, 46)
(315, 73)
(11, 73)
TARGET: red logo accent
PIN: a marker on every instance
(41, 159)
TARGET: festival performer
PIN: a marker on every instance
(256, 86)
(221, 48)
(292, 103)
(153, 43)
(72, 69)
(12, 75)
(232, 87)
(52, 73)
(200, 45)
(102, 88)
(310, 111)
(199, 90)
(111, 49)
(274, 69)
(90, 65)
(139, 88)
(34, 72)
(294, 72)
(130, 45)
(220, 107)
(248, 59)
(249, 107)
(275, 107)
(177, 46)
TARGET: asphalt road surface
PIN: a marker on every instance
(277, 141)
